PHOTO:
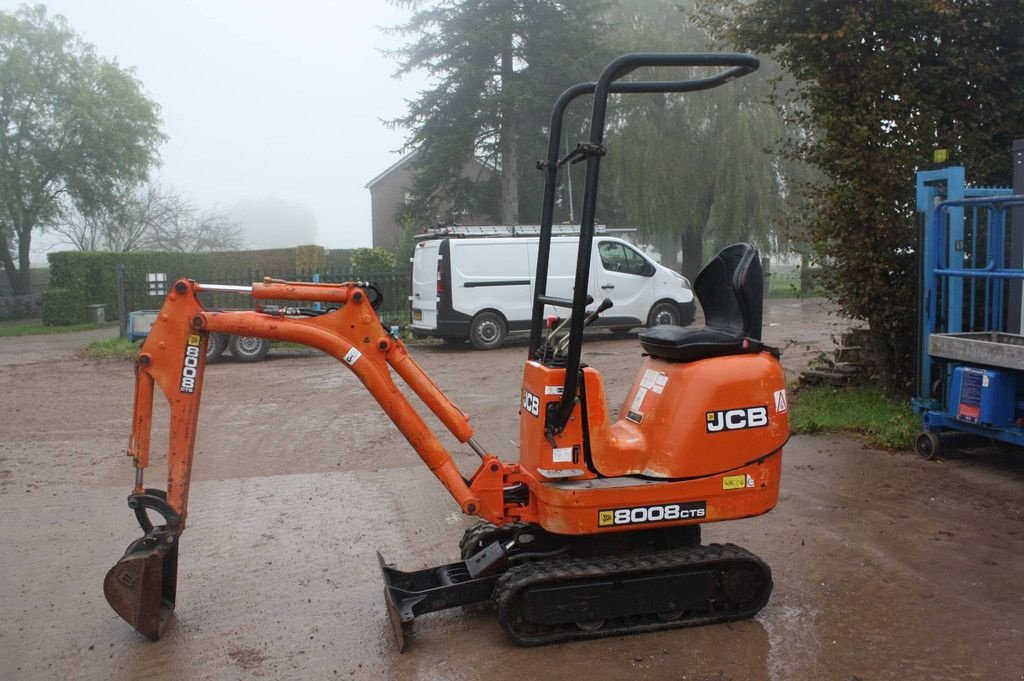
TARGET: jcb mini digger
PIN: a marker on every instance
(595, 531)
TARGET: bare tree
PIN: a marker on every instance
(84, 232)
(141, 214)
(153, 218)
(190, 230)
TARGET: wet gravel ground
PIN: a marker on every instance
(886, 566)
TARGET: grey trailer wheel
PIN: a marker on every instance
(249, 348)
(215, 346)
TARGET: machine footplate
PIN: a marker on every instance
(578, 598)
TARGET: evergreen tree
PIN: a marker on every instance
(496, 67)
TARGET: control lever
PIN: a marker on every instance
(587, 321)
(552, 323)
(605, 304)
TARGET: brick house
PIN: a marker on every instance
(389, 190)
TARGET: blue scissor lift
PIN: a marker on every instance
(970, 373)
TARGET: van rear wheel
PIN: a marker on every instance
(488, 330)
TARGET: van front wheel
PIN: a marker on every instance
(487, 331)
(664, 312)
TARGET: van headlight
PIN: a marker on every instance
(683, 280)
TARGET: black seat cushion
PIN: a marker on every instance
(687, 344)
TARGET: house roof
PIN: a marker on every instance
(392, 168)
(408, 158)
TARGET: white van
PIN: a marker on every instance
(482, 288)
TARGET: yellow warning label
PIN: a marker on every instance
(605, 518)
(734, 482)
(194, 339)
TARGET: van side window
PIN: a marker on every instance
(616, 257)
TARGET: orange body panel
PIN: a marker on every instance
(596, 506)
(695, 442)
(694, 419)
(560, 456)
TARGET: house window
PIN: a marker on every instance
(157, 283)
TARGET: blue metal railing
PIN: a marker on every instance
(964, 253)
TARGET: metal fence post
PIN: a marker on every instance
(122, 302)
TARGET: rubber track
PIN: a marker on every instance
(517, 579)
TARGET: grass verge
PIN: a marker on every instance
(112, 348)
(34, 327)
(787, 285)
(866, 411)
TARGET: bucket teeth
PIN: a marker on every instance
(142, 584)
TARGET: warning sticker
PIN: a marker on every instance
(738, 481)
(352, 356)
(781, 405)
(655, 381)
(734, 482)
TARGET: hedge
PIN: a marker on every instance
(91, 277)
(62, 307)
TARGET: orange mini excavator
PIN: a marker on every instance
(595, 531)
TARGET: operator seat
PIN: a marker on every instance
(730, 289)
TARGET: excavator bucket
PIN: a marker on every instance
(141, 586)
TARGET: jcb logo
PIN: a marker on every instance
(737, 419)
(531, 403)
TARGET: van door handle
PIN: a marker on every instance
(607, 286)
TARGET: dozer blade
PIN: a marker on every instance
(141, 586)
(411, 594)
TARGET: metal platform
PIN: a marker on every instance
(989, 348)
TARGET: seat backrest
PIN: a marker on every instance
(731, 291)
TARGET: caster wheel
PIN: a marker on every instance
(927, 445)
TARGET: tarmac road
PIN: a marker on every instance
(886, 566)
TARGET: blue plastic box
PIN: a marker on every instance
(984, 397)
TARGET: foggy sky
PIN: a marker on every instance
(262, 100)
